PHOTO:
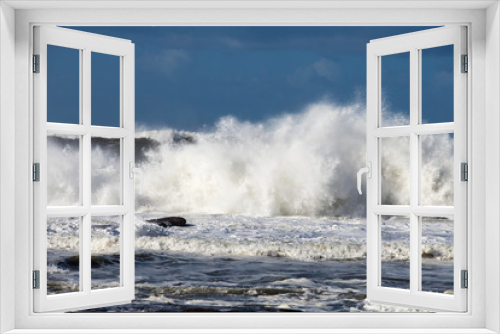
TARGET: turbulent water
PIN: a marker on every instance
(242, 263)
(275, 220)
(296, 164)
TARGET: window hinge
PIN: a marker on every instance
(36, 63)
(465, 64)
(36, 279)
(465, 279)
(36, 172)
(464, 170)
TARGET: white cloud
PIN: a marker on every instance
(232, 42)
(167, 61)
(323, 68)
(327, 69)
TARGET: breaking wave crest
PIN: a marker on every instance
(295, 164)
(306, 251)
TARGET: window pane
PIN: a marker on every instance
(437, 170)
(63, 85)
(395, 171)
(105, 251)
(437, 84)
(63, 255)
(395, 95)
(437, 254)
(395, 252)
(63, 170)
(106, 171)
(105, 90)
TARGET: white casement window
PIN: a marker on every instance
(24, 133)
(406, 141)
(88, 213)
(81, 207)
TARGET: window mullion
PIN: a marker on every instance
(85, 91)
(414, 169)
(86, 122)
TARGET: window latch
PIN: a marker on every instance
(132, 171)
(368, 171)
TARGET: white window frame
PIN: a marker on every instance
(376, 132)
(16, 214)
(85, 44)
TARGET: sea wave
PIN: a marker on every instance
(295, 164)
(303, 251)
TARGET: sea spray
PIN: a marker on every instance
(294, 164)
(299, 238)
(259, 199)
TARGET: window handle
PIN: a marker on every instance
(368, 171)
(133, 170)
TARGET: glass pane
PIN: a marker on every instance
(437, 84)
(105, 252)
(437, 170)
(63, 255)
(395, 171)
(63, 85)
(106, 171)
(395, 95)
(105, 90)
(395, 252)
(63, 170)
(437, 254)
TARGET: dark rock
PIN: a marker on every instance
(352, 295)
(143, 255)
(71, 262)
(429, 255)
(142, 146)
(96, 261)
(168, 221)
(111, 145)
(181, 138)
(276, 291)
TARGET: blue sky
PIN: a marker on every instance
(189, 77)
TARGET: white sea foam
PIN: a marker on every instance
(300, 164)
(295, 164)
(253, 189)
(290, 165)
(367, 306)
(293, 169)
(300, 238)
(53, 269)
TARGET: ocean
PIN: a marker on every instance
(275, 223)
(234, 263)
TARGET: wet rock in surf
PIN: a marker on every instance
(352, 295)
(144, 145)
(96, 261)
(100, 261)
(168, 221)
(71, 262)
(183, 138)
